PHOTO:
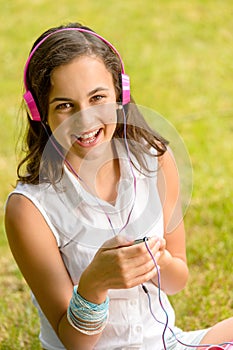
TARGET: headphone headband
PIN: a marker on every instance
(28, 98)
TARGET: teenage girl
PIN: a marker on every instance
(94, 222)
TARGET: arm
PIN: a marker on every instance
(37, 255)
(173, 267)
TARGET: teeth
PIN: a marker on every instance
(87, 136)
(89, 141)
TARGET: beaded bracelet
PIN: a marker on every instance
(87, 317)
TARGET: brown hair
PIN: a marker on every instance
(59, 49)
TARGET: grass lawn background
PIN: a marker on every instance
(179, 55)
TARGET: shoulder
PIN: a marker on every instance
(167, 163)
(19, 211)
(23, 209)
(16, 205)
(168, 177)
(27, 197)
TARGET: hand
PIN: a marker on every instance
(164, 256)
(118, 264)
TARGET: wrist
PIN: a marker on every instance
(91, 290)
(87, 317)
(165, 259)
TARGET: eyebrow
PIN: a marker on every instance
(99, 88)
(92, 92)
(55, 99)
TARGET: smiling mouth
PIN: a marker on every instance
(87, 139)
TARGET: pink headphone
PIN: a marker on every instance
(28, 98)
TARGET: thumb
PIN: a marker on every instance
(116, 242)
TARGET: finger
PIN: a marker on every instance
(134, 256)
(116, 242)
(130, 250)
(163, 244)
(142, 259)
(146, 276)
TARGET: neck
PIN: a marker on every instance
(100, 174)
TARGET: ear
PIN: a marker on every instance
(119, 106)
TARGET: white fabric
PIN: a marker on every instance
(79, 223)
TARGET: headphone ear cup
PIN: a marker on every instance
(125, 89)
(31, 106)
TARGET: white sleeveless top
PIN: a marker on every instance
(80, 224)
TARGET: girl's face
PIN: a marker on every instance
(82, 107)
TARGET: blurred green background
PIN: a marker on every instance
(179, 55)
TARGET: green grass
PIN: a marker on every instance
(179, 56)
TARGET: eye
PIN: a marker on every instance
(64, 106)
(97, 98)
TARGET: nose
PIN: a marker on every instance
(86, 118)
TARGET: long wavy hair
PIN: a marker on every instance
(60, 49)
